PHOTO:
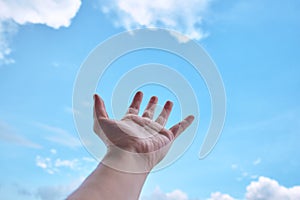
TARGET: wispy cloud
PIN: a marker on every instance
(257, 161)
(8, 134)
(70, 110)
(46, 164)
(59, 135)
(53, 166)
(245, 174)
(234, 166)
(7, 29)
(53, 163)
(184, 16)
(53, 151)
(52, 13)
(72, 164)
(57, 165)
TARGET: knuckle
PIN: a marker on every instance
(147, 113)
(132, 110)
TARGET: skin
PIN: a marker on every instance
(135, 144)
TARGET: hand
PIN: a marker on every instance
(136, 143)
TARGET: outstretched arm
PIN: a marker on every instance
(106, 183)
(135, 145)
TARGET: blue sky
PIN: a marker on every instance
(255, 45)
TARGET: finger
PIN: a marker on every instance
(99, 108)
(181, 126)
(164, 115)
(149, 111)
(135, 105)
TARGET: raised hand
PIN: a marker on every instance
(136, 143)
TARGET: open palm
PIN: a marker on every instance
(138, 134)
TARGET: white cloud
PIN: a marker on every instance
(181, 38)
(72, 164)
(268, 189)
(220, 196)
(7, 30)
(52, 166)
(52, 13)
(183, 16)
(177, 195)
(160, 195)
(88, 159)
(46, 164)
(257, 161)
(8, 134)
(262, 189)
(53, 151)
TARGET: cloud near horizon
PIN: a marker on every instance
(269, 189)
(262, 189)
(158, 194)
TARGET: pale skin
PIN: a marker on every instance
(135, 144)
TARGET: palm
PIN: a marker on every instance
(138, 134)
(135, 133)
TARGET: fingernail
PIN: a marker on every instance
(153, 99)
(169, 104)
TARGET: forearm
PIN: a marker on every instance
(107, 183)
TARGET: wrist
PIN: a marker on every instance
(127, 162)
